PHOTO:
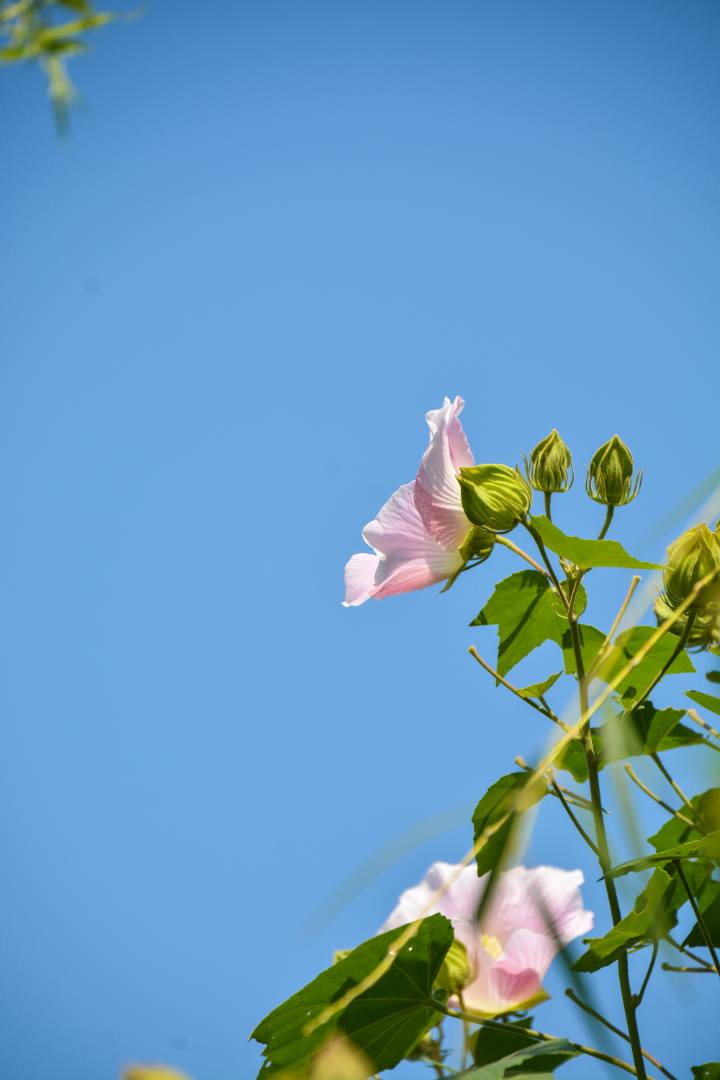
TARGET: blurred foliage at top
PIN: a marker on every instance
(49, 32)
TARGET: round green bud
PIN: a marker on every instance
(610, 474)
(455, 971)
(478, 544)
(494, 497)
(550, 466)
(705, 630)
(690, 558)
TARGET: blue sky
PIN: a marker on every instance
(278, 234)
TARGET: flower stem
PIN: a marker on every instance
(519, 551)
(604, 850)
(548, 512)
(606, 524)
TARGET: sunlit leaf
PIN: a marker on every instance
(538, 690)
(678, 831)
(497, 801)
(587, 553)
(703, 847)
(625, 648)
(536, 1061)
(384, 1022)
(527, 612)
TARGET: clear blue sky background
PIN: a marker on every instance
(279, 233)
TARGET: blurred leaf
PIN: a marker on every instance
(153, 1072)
(587, 553)
(644, 731)
(384, 1022)
(497, 801)
(527, 612)
(626, 646)
(711, 1071)
(704, 847)
(537, 1061)
(706, 701)
(713, 676)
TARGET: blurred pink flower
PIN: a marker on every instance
(418, 532)
(530, 914)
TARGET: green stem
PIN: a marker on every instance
(545, 558)
(519, 551)
(616, 1031)
(604, 851)
(606, 524)
(682, 642)
(541, 1036)
(548, 513)
(700, 921)
(641, 992)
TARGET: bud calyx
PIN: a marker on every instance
(495, 497)
(550, 466)
(610, 474)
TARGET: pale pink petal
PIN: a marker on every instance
(407, 556)
(544, 899)
(459, 903)
(525, 950)
(437, 491)
(360, 579)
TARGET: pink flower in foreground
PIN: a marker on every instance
(417, 534)
(509, 952)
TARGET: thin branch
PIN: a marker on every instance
(586, 836)
(656, 798)
(674, 785)
(689, 970)
(514, 690)
(604, 648)
(519, 551)
(707, 938)
(695, 716)
(687, 952)
(540, 1036)
(641, 992)
(617, 1031)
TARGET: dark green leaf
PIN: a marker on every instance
(652, 917)
(492, 1043)
(497, 801)
(527, 612)
(709, 904)
(704, 847)
(587, 553)
(385, 1021)
(536, 1061)
(538, 690)
(590, 641)
(710, 1071)
(706, 701)
(637, 680)
(712, 676)
(643, 731)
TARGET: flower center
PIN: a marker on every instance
(492, 946)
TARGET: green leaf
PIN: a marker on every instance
(651, 919)
(646, 730)
(709, 904)
(384, 1022)
(676, 831)
(492, 1043)
(626, 646)
(536, 1061)
(590, 641)
(706, 701)
(539, 689)
(497, 801)
(712, 676)
(527, 612)
(710, 1071)
(587, 553)
(703, 847)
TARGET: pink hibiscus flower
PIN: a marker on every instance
(531, 913)
(417, 534)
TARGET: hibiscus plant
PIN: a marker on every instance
(471, 943)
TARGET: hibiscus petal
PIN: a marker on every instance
(437, 491)
(459, 903)
(544, 899)
(360, 579)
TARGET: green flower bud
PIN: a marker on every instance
(610, 475)
(705, 631)
(690, 558)
(495, 497)
(455, 971)
(478, 544)
(550, 466)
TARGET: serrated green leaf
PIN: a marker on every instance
(709, 904)
(653, 916)
(536, 1061)
(539, 689)
(384, 1022)
(646, 730)
(676, 831)
(703, 847)
(497, 801)
(587, 553)
(625, 648)
(527, 612)
(706, 701)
